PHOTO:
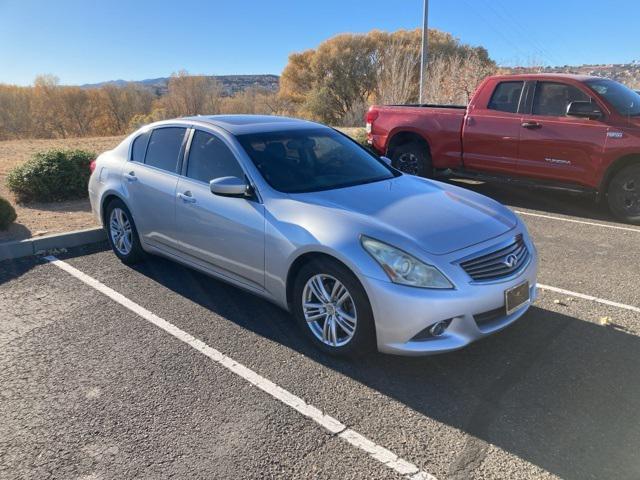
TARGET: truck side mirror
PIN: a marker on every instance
(581, 109)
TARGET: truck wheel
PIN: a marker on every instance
(412, 158)
(623, 194)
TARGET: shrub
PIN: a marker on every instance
(7, 214)
(51, 176)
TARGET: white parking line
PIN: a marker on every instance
(589, 297)
(334, 426)
(570, 220)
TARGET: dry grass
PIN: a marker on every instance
(37, 219)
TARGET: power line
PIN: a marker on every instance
(514, 22)
(506, 40)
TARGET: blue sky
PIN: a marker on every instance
(91, 41)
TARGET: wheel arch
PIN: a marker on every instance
(301, 261)
(615, 167)
(403, 137)
(107, 198)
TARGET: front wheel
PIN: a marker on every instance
(623, 194)
(332, 308)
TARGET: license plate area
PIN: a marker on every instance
(516, 297)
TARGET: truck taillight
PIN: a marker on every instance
(92, 166)
(372, 114)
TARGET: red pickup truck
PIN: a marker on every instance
(563, 131)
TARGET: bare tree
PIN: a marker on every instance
(192, 95)
(396, 72)
(453, 79)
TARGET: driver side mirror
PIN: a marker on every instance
(386, 160)
(588, 110)
(229, 187)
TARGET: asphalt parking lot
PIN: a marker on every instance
(122, 372)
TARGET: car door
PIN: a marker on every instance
(225, 234)
(554, 146)
(491, 133)
(150, 179)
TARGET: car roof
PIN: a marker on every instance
(548, 76)
(242, 124)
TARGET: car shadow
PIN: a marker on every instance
(554, 390)
(544, 200)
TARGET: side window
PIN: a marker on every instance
(140, 147)
(164, 148)
(210, 158)
(552, 99)
(506, 97)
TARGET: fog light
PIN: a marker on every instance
(438, 329)
(433, 331)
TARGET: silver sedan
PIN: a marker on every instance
(362, 255)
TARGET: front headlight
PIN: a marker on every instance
(404, 269)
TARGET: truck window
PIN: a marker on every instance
(506, 97)
(552, 99)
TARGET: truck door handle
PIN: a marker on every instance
(187, 197)
(531, 125)
(131, 176)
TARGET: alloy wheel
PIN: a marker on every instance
(120, 231)
(329, 310)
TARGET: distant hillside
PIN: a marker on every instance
(626, 73)
(231, 84)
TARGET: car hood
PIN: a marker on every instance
(437, 218)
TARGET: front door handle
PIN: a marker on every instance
(187, 197)
(531, 125)
(131, 176)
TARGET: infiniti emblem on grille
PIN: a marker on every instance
(511, 260)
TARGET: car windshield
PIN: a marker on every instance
(308, 160)
(623, 99)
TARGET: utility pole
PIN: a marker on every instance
(425, 45)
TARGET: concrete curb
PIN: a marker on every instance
(31, 246)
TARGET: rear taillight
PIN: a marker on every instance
(372, 114)
(92, 166)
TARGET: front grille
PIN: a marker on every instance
(499, 263)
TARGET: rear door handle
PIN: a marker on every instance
(187, 197)
(531, 125)
(131, 176)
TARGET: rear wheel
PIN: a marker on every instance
(623, 194)
(122, 233)
(332, 308)
(412, 158)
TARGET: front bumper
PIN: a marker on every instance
(402, 312)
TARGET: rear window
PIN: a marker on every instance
(140, 147)
(506, 97)
(164, 148)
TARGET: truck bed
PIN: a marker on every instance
(443, 122)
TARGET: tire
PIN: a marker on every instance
(118, 215)
(623, 194)
(362, 340)
(412, 158)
